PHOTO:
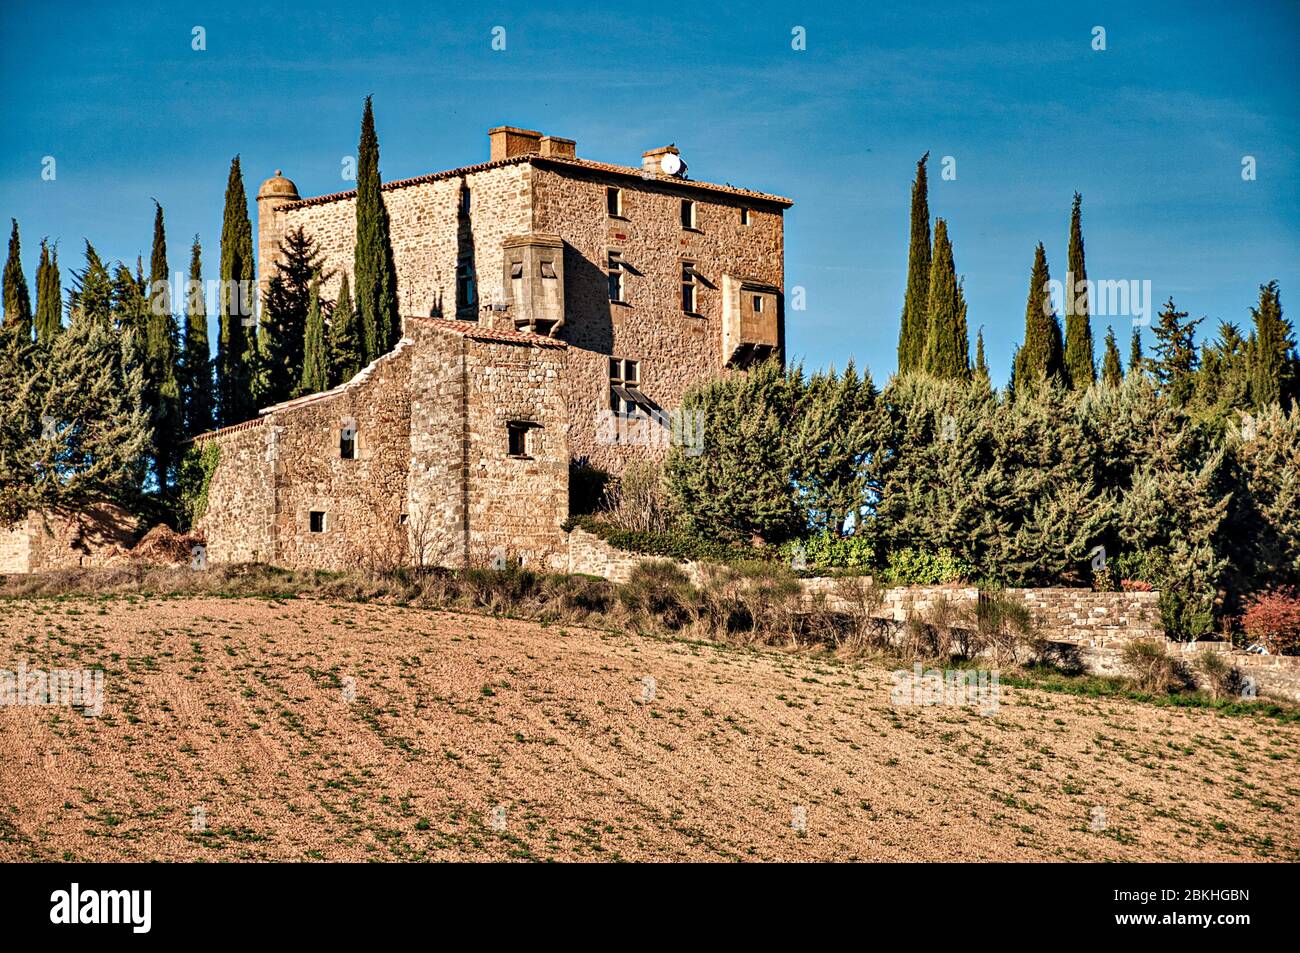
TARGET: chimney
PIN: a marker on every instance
(506, 142)
(650, 160)
(557, 146)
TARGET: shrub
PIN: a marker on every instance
(1004, 625)
(659, 591)
(670, 545)
(832, 551)
(194, 478)
(1151, 669)
(635, 500)
(1219, 677)
(918, 567)
(1273, 618)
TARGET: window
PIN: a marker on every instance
(689, 288)
(348, 442)
(744, 216)
(624, 378)
(464, 201)
(548, 269)
(688, 214)
(616, 277)
(317, 521)
(466, 286)
(758, 304)
(517, 438)
(614, 202)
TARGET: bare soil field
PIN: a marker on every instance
(251, 729)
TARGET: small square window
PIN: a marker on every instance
(758, 304)
(548, 269)
(317, 521)
(688, 213)
(517, 438)
(744, 216)
(614, 202)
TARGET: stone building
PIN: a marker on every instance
(556, 308)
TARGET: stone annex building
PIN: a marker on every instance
(554, 309)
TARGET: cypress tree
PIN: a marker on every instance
(947, 350)
(1135, 359)
(160, 362)
(315, 359)
(49, 295)
(1079, 366)
(981, 365)
(1270, 356)
(346, 358)
(1111, 372)
(196, 389)
(376, 278)
(1040, 357)
(17, 299)
(236, 345)
(916, 299)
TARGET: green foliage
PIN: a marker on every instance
(828, 551)
(1111, 372)
(1273, 364)
(927, 568)
(376, 276)
(675, 544)
(947, 348)
(315, 364)
(162, 383)
(1175, 361)
(49, 295)
(1080, 370)
(916, 306)
(236, 346)
(195, 478)
(196, 364)
(346, 357)
(1040, 359)
(286, 309)
(17, 300)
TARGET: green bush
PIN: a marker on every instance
(831, 551)
(670, 545)
(922, 568)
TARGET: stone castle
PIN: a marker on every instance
(554, 309)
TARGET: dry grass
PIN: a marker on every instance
(239, 705)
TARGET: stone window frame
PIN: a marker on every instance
(690, 282)
(620, 379)
(614, 203)
(521, 430)
(348, 426)
(691, 216)
(746, 216)
(312, 521)
(616, 268)
(466, 284)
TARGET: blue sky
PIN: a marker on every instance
(1152, 130)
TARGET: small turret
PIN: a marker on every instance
(274, 193)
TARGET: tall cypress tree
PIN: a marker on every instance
(1040, 357)
(1111, 372)
(236, 343)
(1271, 359)
(981, 364)
(160, 362)
(916, 299)
(947, 349)
(376, 277)
(1079, 366)
(1135, 360)
(196, 380)
(17, 299)
(346, 358)
(49, 295)
(315, 355)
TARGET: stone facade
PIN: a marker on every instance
(59, 539)
(408, 463)
(466, 244)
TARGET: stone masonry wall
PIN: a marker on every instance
(67, 539)
(236, 525)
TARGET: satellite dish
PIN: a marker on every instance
(672, 163)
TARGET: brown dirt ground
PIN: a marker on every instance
(238, 705)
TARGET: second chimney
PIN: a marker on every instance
(506, 142)
(650, 160)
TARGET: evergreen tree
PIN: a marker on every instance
(1111, 372)
(17, 299)
(196, 366)
(1175, 361)
(346, 358)
(1040, 358)
(916, 300)
(981, 364)
(130, 305)
(1136, 361)
(1079, 367)
(236, 345)
(49, 295)
(315, 363)
(1271, 359)
(1223, 381)
(376, 277)
(831, 435)
(947, 347)
(161, 347)
(92, 296)
(285, 314)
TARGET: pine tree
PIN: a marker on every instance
(947, 348)
(1079, 367)
(981, 364)
(1136, 362)
(916, 299)
(196, 378)
(1271, 358)
(49, 295)
(284, 315)
(1175, 361)
(1040, 358)
(315, 362)
(236, 346)
(17, 299)
(161, 348)
(376, 277)
(1111, 372)
(91, 298)
(346, 358)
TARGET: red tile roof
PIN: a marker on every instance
(233, 428)
(605, 167)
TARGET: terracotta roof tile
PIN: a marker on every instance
(233, 428)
